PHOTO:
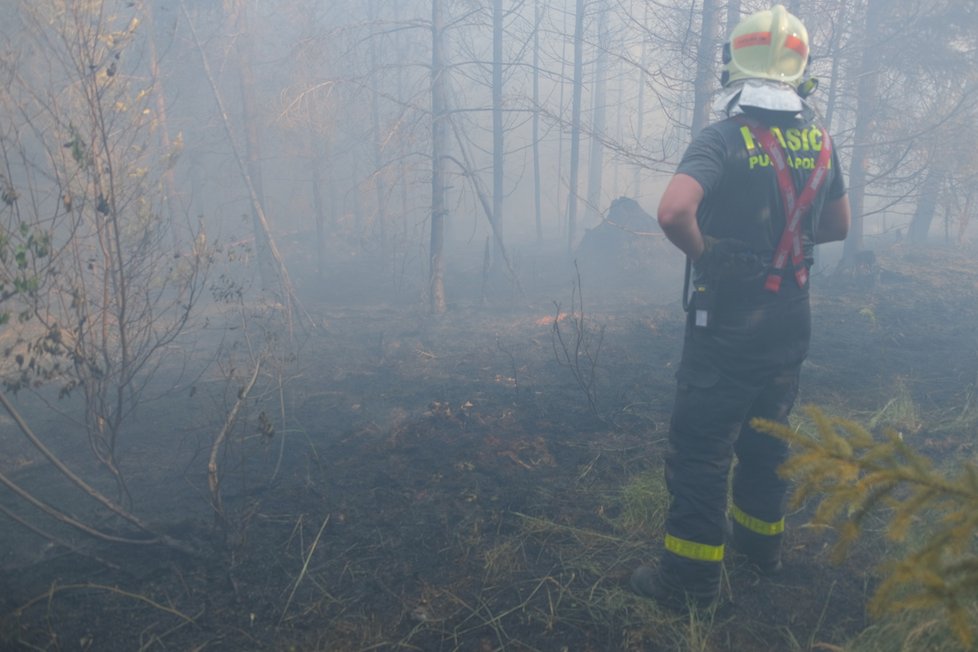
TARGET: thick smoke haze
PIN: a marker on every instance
(348, 324)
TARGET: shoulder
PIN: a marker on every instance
(716, 140)
(722, 129)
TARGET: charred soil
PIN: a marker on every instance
(456, 484)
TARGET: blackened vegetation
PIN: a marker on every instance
(450, 489)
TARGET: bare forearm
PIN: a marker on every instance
(834, 222)
(677, 214)
(686, 236)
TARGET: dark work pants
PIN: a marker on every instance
(717, 397)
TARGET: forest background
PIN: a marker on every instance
(197, 195)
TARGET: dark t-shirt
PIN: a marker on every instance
(741, 197)
(754, 333)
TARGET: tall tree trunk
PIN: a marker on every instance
(598, 119)
(575, 154)
(640, 121)
(964, 218)
(834, 83)
(705, 67)
(170, 149)
(923, 215)
(560, 118)
(439, 142)
(867, 97)
(287, 291)
(316, 169)
(537, 208)
(497, 127)
(380, 187)
(250, 119)
(733, 16)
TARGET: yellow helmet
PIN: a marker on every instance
(770, 44)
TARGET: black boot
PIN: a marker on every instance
(762, 551)
(664, 586)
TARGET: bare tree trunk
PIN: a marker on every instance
(867, 92)
(170, 149)
(965, 217)
(497, 125)
(923, 215)
(380, 186)
(598, 119)
(316, 170)
(560, 118)
(575, 154)
(705, 67)
(837, 34)
(640, 121)
(249, 117)
(436, 254)
(537, 210)
(733, 15)
(288, 294)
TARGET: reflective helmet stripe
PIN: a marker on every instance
(756, 525)
(751, 40)
(796, 44)
(693, 550)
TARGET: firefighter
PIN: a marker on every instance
(753, 194)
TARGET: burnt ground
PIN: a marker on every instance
(446, 484)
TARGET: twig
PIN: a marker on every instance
(67, 472)
(305, 567)
(84, 486)
(213, 477)
(577, 355)
(50, 593)
(56, 540)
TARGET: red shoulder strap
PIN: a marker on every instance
(795, 206)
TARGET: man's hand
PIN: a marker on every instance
(727, 257)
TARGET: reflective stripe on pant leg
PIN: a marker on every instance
(693, 550)
(757, 525)
(706, 418)
(758, 490)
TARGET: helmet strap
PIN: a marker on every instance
(807, 87)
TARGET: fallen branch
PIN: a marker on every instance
(55, 589)
(59, 515)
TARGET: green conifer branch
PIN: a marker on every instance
(853, 474)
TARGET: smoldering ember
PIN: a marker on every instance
(355, 325)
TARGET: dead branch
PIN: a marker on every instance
(213, 475)
(305, 567)
(84, 486)
(580, 354)
(56, 540)
(288, 290)
(55, 589)
(469, 171)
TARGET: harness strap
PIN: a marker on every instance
(795, 206)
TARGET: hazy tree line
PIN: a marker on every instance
(380, 124)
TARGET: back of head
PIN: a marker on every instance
(770, 45)
(764, 65)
